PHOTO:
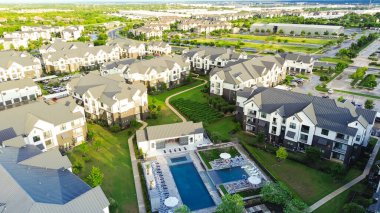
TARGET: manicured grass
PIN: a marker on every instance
(275, 38)
(166, 116)
(221, 129)
(196, 111)
(307, 183)
(336, 60)
(261, 47)
(114, 161)
(213, 154)
(356, 93)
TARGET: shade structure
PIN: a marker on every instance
(254, 180)
(171, 201)
(225, 156)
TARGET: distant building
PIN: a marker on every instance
(14, 43)
(298, 121)
(297, 29)
(129, 48)
(147, 32)
(297, 63)
(203, 59)
(159, 47)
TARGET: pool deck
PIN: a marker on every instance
(169, 179)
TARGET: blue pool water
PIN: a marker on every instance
(178, 159)
(190, 186)
(228, 175)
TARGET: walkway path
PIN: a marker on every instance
(167, 100)
(136, 176)
(349, 184)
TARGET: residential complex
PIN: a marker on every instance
(265, 71)
(170, 70)
(146, 32)
(297, 29)
(154, 139)
(203, 59)
(14, 43)
(129, 48)
(297, 121)
(203, 26)
(110, 99)
(18, 65)
(32, 181)
(18, 92)
(159, 48)
(60, 125)
(116, 67)
(297, 63)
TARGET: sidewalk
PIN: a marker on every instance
(349, 184)
(136, 176)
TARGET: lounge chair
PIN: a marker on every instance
(179, 149)
(170, 150)
(185, 148)
(164, 151)
(175, 150)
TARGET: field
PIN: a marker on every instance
(279, 39)
(260, 47)
(336, 60)
(307, 183)
(113, 159)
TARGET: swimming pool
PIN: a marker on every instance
(227, 175)
(178, 159)
(190, 186)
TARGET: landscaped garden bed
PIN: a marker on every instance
(213, 154)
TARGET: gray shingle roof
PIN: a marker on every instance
(22, 58)
(30, 188)
(325, 113)
(212, 53)
(160, 64)
(22, 83)
(297, 57)
(169, 131)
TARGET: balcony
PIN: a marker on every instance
(252, 114)
(339, 150)
(305, 130)
(341, 140)
(251, 121)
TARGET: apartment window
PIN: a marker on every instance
(283, 121)
(357, 138)
(48, 142)
(292, 126)
(191, 140)
(63, 127)
(305, 129)
(304, 137)
(274, 120)
(36, 139)
(325, 132)
(264, 115)
(274, 130)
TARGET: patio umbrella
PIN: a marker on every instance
(254, 180)
(171, 202)
(225, 156)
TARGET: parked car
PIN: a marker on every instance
(330, 91)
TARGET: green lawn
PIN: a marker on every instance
(307, 183)
(221, 128)
(356, 93)
(114, 160)
(336, 60)
(166, 116)
(261, 47)
(275, 38)
(213, 154)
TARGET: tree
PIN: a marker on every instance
(281, 153)
(1, 47)
(368, 104)
(281, 31)
(97, 143)
(295, 206)
(276, 193)
(326, 33)
(260, 137)
(292, 32)
(231, 204)
(182, 209)
(84, 149)
(303, 32)
(102, 36)
(313, 154)
(353, 208)
(340, 99)
(95, 178)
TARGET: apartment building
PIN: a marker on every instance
(265, 71)
(28, 35)
(203, 59)
(33, 181)
(297, 121)
(60, 45)
(49, 29)
(224, 17)
(46, 126)
(159, 48)
(74, 59)
(297, 29)
(116, 67)
(18, 65)
(170, 70)
(158, 26)
(129, 48)
(203, 26)
(297, 63)
(18, 92)
(109, 98)
(14, 43)
(72, 33)
(147, 32)
(157, 140)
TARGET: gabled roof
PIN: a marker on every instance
(160, 64)
(7, 58)
(297, 57)
(35, 188)
(323, 112)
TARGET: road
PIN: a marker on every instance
(114, 33)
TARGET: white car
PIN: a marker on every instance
(330, 91)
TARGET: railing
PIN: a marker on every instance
(341, 140)
(305, 130)
(339, 150)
